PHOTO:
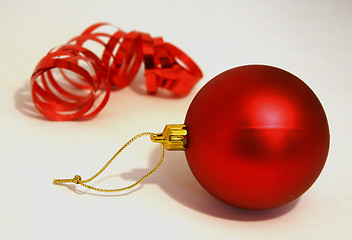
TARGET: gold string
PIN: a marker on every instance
(78, 180)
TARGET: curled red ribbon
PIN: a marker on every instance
(73, 82)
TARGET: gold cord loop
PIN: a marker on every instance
(78, 180)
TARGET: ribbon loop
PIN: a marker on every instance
(74, 81)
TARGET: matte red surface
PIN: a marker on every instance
(258, 137)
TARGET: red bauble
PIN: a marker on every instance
(258, 137)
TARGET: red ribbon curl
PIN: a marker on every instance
(73, 82)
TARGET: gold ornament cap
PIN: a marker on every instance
(174, 137)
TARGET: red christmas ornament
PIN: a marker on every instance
(255, 137)
(258, 137)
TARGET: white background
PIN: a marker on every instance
(311, 39)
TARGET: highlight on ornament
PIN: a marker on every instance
(255, 137)
(74, 81)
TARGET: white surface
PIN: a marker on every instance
(311, 39)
